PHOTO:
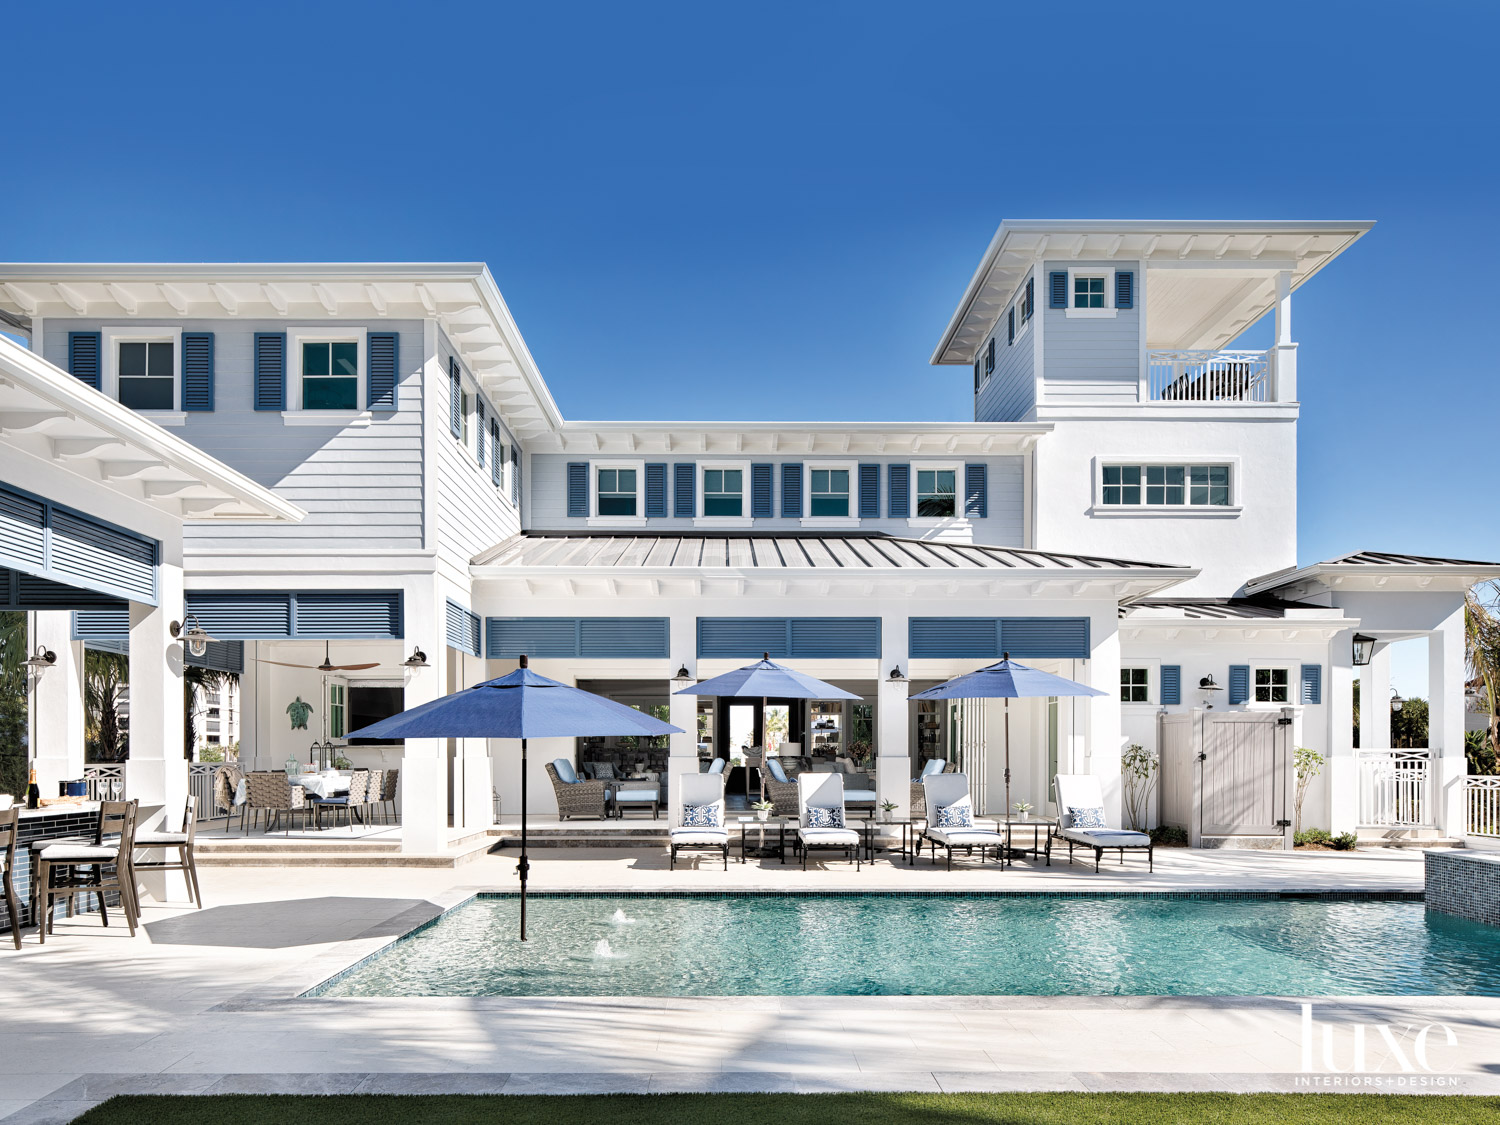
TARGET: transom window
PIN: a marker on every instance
(617, 492)
(1088, 292)
(723, 492)
(937, 493)
(330, 375)
(1166, 486)
(1135, 685)
(830, 492)
(146, 368)
(1273, 685)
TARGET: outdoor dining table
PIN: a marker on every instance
(329, 783)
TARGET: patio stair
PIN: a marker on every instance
(584, 834)
(268, 851)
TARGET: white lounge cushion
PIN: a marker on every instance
(700, 836)
(1107, 837)
(146, 839)
(629, 796)
(43, 845)
(966, 837)
(829, 837)
(81, 853)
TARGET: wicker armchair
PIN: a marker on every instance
(919, 794)
(579, 798)
(275, 794)
(781, 793)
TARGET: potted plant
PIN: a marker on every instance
(887, 810)
(762, 809)
(1023, 809)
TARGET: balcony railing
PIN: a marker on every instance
(1209, 376)
(1482, 798)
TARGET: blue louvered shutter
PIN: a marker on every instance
(656, 489)
(1124, 289)
(497, 454)
(899, 504)
(479, 431)
(83, 357)
(382, 356)
(1239, 683)
(976, 374)
(515, 476)
(976, 491)
(791, 492)
(1058, 283)
(1031, 296)
(869, 492)
(762, 489)
(270, 371)
(1041, 638)
(939, 637)
(455, 398)
(989, 357)
(1312, 683)
(1012, 330)
(197, 371)
(578, 488)
(684, 490)
(1171, 685)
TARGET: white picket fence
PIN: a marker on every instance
(1482, 806)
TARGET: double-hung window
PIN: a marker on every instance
(937, 493)
(830, 492)
(617, 495)
(723, 492)
(1135, 685)
(146, 374)
(1272, 685)
(1165, 486)
(330, 375)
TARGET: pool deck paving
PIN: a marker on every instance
(205, 1001)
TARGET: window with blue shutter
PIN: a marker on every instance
(197, 371)
(1239, 683)
(976, 491)
(1011, 336)
(83, 357)
(989, 358)
(455, 398)
(497, 454)
(1124, 289)
(762, 489)
(869, 492)
(1312, 683)
(791, 492)
(479, 431)
(656, 489)
(515, 476)
(382, 354)
(1171, 685)
(578, 488)
(1058, 287)
(899, 504)
(684, 490)
(270, 371)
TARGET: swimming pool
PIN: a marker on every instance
(933, 944)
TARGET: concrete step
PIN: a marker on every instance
(1413, 842)
(316, 855)
(272, 846)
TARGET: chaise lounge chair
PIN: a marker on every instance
(702, 826)
(950, 819)
(820, 800)
(1080, 821)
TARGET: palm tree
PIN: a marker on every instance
(1482, 651)
(197, 681)
(106, 677)
(13, 725)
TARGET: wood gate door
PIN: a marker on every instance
(1246, 779)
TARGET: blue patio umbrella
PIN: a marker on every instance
(520, 705)
(1007, 680)
(765, 680)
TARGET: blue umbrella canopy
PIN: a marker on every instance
(1007, 680)
(766, 679)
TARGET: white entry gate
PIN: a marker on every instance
(1394, 788)
(1226, 774)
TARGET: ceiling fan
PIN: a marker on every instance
(327, 666)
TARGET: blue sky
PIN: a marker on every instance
(770, 210)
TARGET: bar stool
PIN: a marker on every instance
(10, 829)
(114, 817)
(182, 842)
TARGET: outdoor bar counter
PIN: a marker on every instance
(79, 819)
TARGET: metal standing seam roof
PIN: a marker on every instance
(1382, 558)
(772, 551)
(1223, 609)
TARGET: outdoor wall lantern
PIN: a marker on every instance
(42, 659)
(683, 677)
(1396, 701)
(896, 675)
(1207, 686)
(417, 659)
(1364, 648)
(191, 634)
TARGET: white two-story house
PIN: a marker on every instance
(1121, 510)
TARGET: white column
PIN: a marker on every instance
(1445, 722)
(893, 765)
(1341, 769)
(156, 774)
(57, 704)
(1103, 746)
(1285, 349)
(424, 761)
(250, 707)
(1375, 700)
(682, 749)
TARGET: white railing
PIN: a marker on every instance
(201, 785)
(106, 783)
(1209, 376)
(1393, 788)
(1482, 805)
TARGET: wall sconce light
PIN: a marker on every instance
(1364, 648)
(896, 675)
(1207, 686)
(417, 659)
(683, 677)
(191, 634)
(42, 659)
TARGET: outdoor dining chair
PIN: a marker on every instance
(359, 786)
(272, 793)
(182, 843)
(66, 869)
(10, 829)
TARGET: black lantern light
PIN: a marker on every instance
(1364, 648)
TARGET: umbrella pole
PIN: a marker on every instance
(1006, 810)
(525, 864)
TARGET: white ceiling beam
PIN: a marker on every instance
(122, 298)
(72, 297)
(376, 299)
(198, 507)
(1304, 246)
(24, 301)
(276, 298)
(173, 296)
(325, 298)
(227, 300)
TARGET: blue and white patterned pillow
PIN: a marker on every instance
(700, 816)
(960, 814)
(824, 818)
(1087, 817)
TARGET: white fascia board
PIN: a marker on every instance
(1409, 577)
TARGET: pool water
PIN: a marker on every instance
(881, 945)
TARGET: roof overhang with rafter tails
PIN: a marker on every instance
(794, 438)
(1208, 280)
(461, 296)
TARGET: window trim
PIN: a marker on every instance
(1108, 312)
(958, 519)
(1292, 698)
(294, 414)
(638, 520)
(1098, 508)
(851, 520)
(110, 339)
(742, 520)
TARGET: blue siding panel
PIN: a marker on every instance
(382, 361)
(869, 492)
(656, 490)
(791, 492)
(762, 499)
(270, 371)
(684, 490)
(83, 357)
(899, 502)
(578, 488)
(1171, 685)
(1312, 683)
(198, 371)
(1239, 683)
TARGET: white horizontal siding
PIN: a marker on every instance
(1009, 393)
(1088, 359)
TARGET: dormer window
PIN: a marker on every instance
(830, 492)
(723, 492)
(617, 492)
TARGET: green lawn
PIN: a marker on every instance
(804, 1109)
